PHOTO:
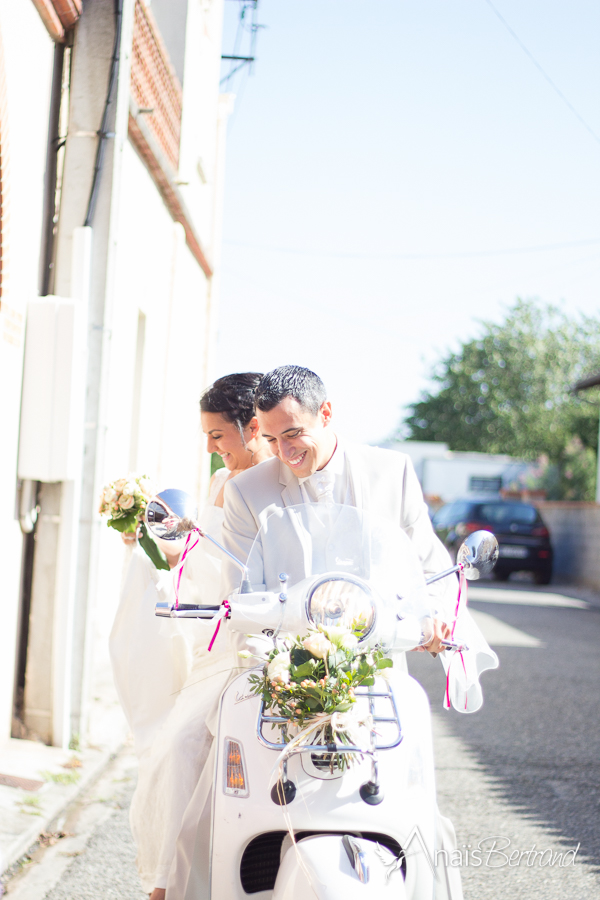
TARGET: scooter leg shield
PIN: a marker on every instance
(319, 868)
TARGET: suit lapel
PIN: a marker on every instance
(357, 478)
(291, 493)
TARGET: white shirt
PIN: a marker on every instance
(330, 483)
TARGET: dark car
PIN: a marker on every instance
(523, 539)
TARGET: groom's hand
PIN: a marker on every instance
(441, 632)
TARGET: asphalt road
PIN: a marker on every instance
(524, 772)
(526, 767)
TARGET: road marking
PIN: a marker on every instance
(525, 598)
(499, 634)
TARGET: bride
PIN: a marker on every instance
(172, 749)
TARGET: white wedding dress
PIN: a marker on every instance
(169, 685)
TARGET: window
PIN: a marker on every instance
(485, 484)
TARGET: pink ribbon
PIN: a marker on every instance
(187, 549)
(222, 615)
(462, 596)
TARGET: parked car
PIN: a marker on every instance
(523, 538)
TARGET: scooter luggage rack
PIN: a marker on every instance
(376, 745)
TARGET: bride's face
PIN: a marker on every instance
(224, 438)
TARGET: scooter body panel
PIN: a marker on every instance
(320, 867)
(321, 805)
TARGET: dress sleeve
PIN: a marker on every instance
(216, 483)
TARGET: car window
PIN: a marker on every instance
(441, 517)
(461, 510)
(505, 513)
(451, 513)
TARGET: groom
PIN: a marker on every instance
(311, 463)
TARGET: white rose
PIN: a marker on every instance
(336, 633)
(318, 645)
(349, 641)
(279, 668)
(126, 502)
(146, 487)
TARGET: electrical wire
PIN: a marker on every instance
(542, 72)
(246, 25)
(103, 134)
(459, 255)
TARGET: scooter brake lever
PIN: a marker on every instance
(452, 645)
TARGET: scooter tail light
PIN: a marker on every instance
(235, 781)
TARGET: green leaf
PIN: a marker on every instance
(298, 656)
(312, 703)
(303, 671)
(151, 549)
(128, 524)
(384, 663)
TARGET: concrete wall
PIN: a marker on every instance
(26, 53)
(575, 534)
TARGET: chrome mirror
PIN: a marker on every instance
(171, 515)
(478, 554)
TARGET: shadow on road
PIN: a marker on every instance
(538, 733)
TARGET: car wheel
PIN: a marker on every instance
(501, 576)
(543, 577)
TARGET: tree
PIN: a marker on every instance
(508, 391)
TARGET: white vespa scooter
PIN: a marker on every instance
(292, 822)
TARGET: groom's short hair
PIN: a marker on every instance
(291, 381)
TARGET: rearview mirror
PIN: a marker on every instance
(478, 554)
(171, 515)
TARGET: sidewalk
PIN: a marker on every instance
(558, 587)
(38, 783)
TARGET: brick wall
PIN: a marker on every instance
(155, 88)
(575, 533)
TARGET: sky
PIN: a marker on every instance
(397, 172)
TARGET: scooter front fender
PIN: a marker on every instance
(319, 868)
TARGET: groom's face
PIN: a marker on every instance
(302, 441)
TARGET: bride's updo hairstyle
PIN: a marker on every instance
(232, 397)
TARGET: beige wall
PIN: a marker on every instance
(27, 53)
(575, 534)
(158, 277)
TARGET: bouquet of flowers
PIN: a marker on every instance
(124, 501)
(312, 684)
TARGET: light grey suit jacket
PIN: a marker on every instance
(381, 481)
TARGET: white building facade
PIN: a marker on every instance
(112, 136)
(447, 475)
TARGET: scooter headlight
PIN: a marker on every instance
(344, 601)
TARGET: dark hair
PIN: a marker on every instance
(233, 397)
(291, 381)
